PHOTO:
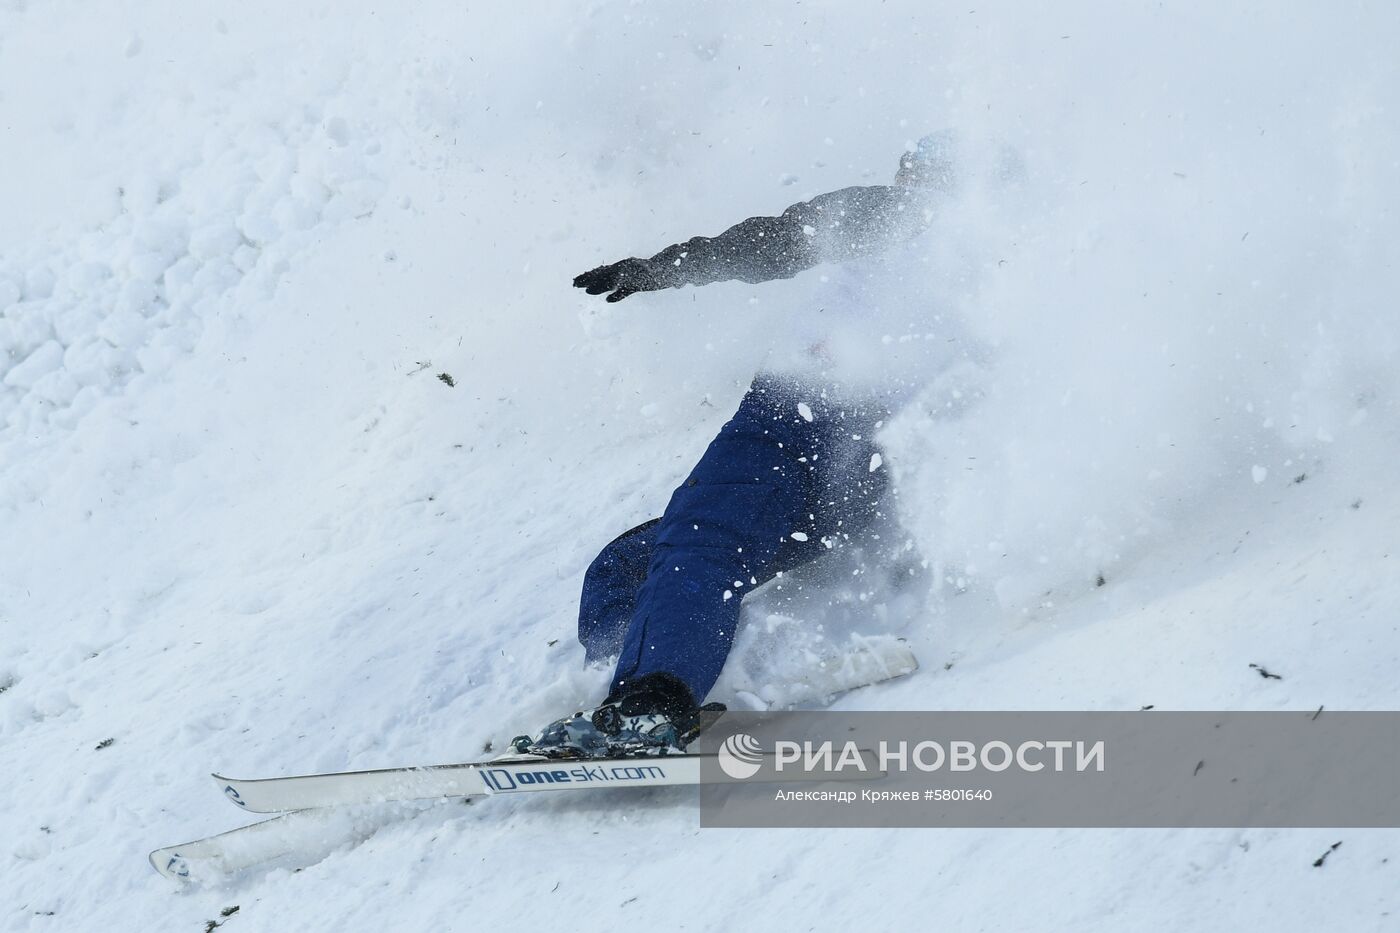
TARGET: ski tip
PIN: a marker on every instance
(907, 663)
(170, 864)
(230, 791)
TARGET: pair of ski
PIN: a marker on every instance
(247, 846)
(317, 800)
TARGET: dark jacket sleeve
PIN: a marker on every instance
(832, 227)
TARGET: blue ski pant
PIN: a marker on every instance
(794, 473)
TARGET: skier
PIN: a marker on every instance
(793, 472)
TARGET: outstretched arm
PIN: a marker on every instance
(832, 227)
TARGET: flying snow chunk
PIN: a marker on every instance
(804, 410)
(1259, 473)
(875, 461)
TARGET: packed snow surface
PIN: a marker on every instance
(306, 441)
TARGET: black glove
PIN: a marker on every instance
(621, 278)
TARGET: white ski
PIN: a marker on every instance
(514, 774)
(225, 853)
(781, 664)
(314, 803)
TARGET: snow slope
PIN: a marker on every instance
(248, 528)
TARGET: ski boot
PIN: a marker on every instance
(654, 715)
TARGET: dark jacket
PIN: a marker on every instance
(845, 224)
